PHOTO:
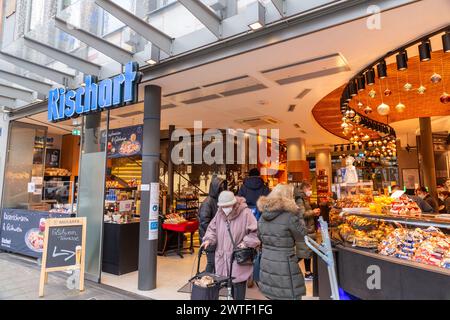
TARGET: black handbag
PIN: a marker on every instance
(242, 256)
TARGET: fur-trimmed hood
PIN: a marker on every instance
(272, 207)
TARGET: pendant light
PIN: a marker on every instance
(383, 109)
(400, 107)
(421, 90)
(402, 60)
(445, 97)
(425, 51)
(446, 42)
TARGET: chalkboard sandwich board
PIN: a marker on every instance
(64, 248)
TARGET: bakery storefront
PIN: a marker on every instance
(388, 243)
(55, 164)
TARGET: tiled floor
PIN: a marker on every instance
(173, 273)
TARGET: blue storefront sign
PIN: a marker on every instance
(94, 97)
(125, 142)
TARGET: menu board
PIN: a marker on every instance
(62, 244)
(125, 142)
(64, 250)
(22, 231)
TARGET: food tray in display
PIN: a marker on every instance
(355, 210)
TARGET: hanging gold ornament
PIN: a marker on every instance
(400, 107)
(372, 93)
(357, 119)
(360, 105)
(368, 110)
(421, 89)
(407, 86)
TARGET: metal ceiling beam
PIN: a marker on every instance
(152, 34)
(280, 6)
(43, 71)
(206, 16)
(70, 60)
(16, 93)
(38, 86)
(107, 48)
(7, 102)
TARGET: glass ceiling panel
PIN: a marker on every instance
(175, 21)
(86, 15)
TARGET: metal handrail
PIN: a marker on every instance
(325, 252)
(201, 192)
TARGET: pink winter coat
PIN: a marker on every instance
(243, 226)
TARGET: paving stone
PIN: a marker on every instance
(19, 280)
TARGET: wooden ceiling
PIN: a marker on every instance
(327, 112)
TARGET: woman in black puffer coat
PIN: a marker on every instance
(281, 230)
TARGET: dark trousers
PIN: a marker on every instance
(307, 263)
(238, 290)
(210, 261)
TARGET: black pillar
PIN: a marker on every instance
(150, 174)
(170, 167)
(427, 155)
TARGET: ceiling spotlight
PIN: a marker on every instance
(347, 96)
(352, 88)
(370, 77)
(155, 54)
(402, 61)
(256, 16)
(425, 51)
(361, 81)
(382, 69)
(446, 41)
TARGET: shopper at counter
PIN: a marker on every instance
(422, 193)
(444, 198)
(302, 196)
(423, 205)
(234, 223)
(282, 232)
(206, 213)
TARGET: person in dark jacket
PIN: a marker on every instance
(444, 198)
(281, 230)
(253, 187)
(206, 213)
(422, 193)
(303, 193)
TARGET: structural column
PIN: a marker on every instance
(170, 167)
(297, 166)
(323, 162)
(148, 249)
(427, 155)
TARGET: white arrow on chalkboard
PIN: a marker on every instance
(68, 253)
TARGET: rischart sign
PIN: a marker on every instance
(94, 97)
